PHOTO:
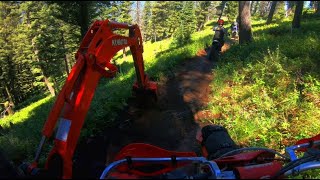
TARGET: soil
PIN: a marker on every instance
(172, 123)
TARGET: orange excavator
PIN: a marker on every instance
(97, 49)
(222, 159)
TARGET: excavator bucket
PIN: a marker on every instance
(145, 97)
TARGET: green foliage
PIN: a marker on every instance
(147, 33)
(268, 91)
(280, 12)
(158, 19)
(164, 19)
(20, 140)
(125, 9)
(231, 10)
(187, 24)
(174, 13)
(10, 75)
(38, 43)
(201, 12)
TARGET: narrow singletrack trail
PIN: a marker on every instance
(171, 124)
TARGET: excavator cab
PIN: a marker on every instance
(93, 61)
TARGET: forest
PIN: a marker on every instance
(265, 88)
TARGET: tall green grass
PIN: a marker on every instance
(268, 92)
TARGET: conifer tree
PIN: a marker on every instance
(159, 20)
(187, 24)
(202, 11)
(174, 13)
(231, 10)
(146, 16)
(44, 41)
(8, 75)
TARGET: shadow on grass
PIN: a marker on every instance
(19, 138)
(281, 36)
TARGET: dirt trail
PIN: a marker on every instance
(171, 124)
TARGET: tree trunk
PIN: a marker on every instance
(272, 10)
(154, 34)
(252, 6)
(9, 95)
(65, 56)
(256, 7)
(66, 64)
(45, 78)
(50, 87)
(317, 7)
(9, 106)
(36, 51)
(297, 15)
(223, 6)
(84, 18)
(245, 32)
(14, 91)
(290, 5)
(138, 13)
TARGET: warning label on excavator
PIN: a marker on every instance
(63, 130)
(119, 42)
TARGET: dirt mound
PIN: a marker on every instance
(171, 124)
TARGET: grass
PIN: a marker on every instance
(20, 141)
(268, 92)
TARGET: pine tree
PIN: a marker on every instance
(297, 15)
(112, 12)
(221, 8)
(264, 7)
(125, 10)
(190, 17)
(44, 41)
(147, 27)
(174, 12)
(272, 10)
(290, 7)
(8, 72)
(159, 20)
(213, 9)
(231, 10)
(202, 11)
(138, 14)
(80, 13)
(187, 24)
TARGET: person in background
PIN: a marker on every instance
(220, 33)
(234, 29)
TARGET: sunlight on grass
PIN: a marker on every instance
(24, 114)
(268, 92)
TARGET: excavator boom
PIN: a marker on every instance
(97, 48)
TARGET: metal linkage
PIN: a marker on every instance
(307, 162)
(213, 166)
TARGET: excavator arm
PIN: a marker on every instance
(97, 48)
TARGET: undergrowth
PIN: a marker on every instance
(268, 92)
